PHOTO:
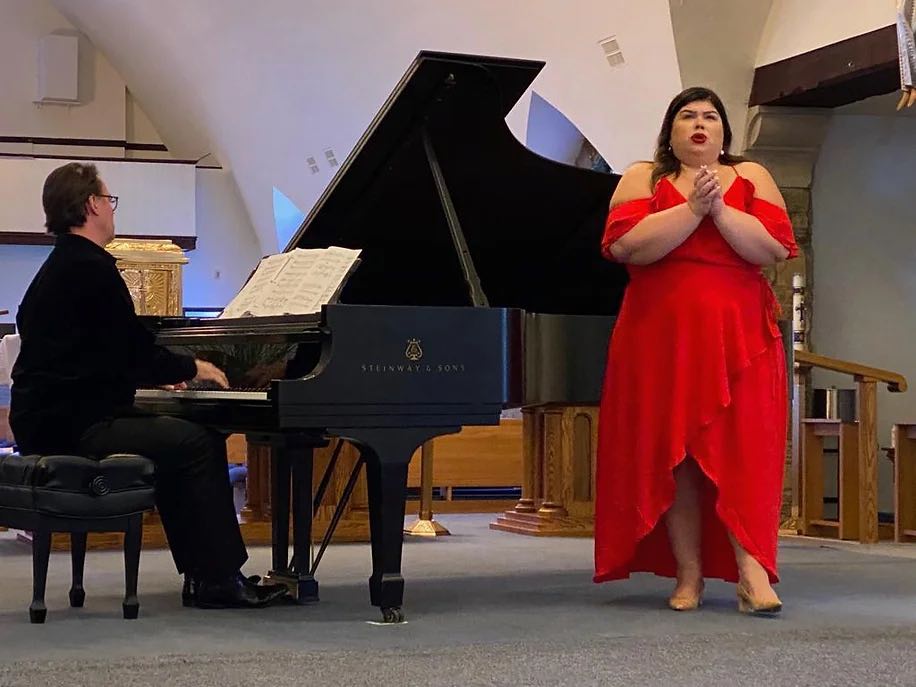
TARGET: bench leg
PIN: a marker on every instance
(78, 563)
(133, 541)
(41, 551)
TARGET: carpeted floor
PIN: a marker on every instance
(483, 608)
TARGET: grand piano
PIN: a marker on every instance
(480, 288)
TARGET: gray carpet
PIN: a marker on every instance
(787, 659)
(483, 608)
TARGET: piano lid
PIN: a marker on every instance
(532, 226)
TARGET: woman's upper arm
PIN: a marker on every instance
(634, 184)
(764, 184)
(629, 205)
(769, 207)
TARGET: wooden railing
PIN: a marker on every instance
(865, 474)
(894, 381)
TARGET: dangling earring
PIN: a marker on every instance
(722, 152)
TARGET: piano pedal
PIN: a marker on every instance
(307, 590)
(303, 589)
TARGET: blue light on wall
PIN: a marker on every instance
(552, 135)
(287, 218)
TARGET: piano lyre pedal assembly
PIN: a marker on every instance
(479, 287)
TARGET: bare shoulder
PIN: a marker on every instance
(635, 183)
(751, 170)
(765, 185)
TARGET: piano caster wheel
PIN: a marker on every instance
(392, 615)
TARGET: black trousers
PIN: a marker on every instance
(193, 493)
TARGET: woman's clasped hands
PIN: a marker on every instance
(706, 196)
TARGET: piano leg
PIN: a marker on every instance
(386, 479)
(387, 454)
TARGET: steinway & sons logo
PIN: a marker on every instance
(413, 353)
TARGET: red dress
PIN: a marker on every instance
(695, 368)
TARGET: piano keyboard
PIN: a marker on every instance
(204, 394)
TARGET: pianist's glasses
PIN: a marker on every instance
(111, 199)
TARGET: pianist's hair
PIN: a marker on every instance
(65, 193)
(665, 162)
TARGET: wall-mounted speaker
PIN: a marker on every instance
(58, 69)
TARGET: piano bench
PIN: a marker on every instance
(64, 493)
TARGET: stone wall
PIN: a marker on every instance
(798, 203)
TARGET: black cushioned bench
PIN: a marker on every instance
(66, 493)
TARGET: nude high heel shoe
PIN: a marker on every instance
(747, 604)
(686, 602)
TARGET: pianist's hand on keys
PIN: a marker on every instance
(208, 372)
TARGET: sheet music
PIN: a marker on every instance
(249, 300)
(294, 283)
(333, 269)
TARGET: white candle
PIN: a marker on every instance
(798, 312)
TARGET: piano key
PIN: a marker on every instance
(202, 395)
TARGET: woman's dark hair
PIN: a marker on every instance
(665, 162)
(65, 193)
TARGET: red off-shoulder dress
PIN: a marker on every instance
(695, 368)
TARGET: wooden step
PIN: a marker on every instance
(544, 525)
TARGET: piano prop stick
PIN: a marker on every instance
(425, 525)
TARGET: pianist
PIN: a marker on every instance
(84, 353)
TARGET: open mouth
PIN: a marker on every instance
(698, 138)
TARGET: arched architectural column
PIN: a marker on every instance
(787, 141)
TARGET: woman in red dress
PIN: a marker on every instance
(692, 427)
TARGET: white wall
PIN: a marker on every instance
(735, 27)
(864, 234)
(18, 264)
(155, 198)
(139, 128)
(184, 201)
(271, 83)
(550, 134)
(106, 109)
(227, 249)
(798, 26)
(226, 252)
(22, 24)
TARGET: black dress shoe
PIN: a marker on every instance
(190, 584)
(236, 591)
